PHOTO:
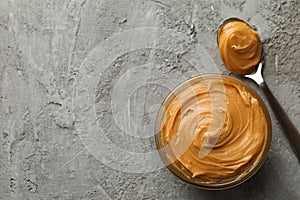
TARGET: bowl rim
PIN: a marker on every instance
(179, 173)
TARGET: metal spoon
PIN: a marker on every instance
(291, 132)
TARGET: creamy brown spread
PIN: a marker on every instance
(240, 47)
(216, 130)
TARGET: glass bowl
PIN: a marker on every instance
(175, 166)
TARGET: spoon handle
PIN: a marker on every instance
(291, 131)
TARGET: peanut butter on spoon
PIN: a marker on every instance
(240, 47)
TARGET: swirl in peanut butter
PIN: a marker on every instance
(238, 138)
(240, 47)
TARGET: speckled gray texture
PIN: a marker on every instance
(49, 52)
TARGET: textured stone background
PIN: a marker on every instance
(44, 43)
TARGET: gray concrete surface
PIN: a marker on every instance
(68, 67)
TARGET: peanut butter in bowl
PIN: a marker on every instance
(214, 131)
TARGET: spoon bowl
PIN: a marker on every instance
(291, 131)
